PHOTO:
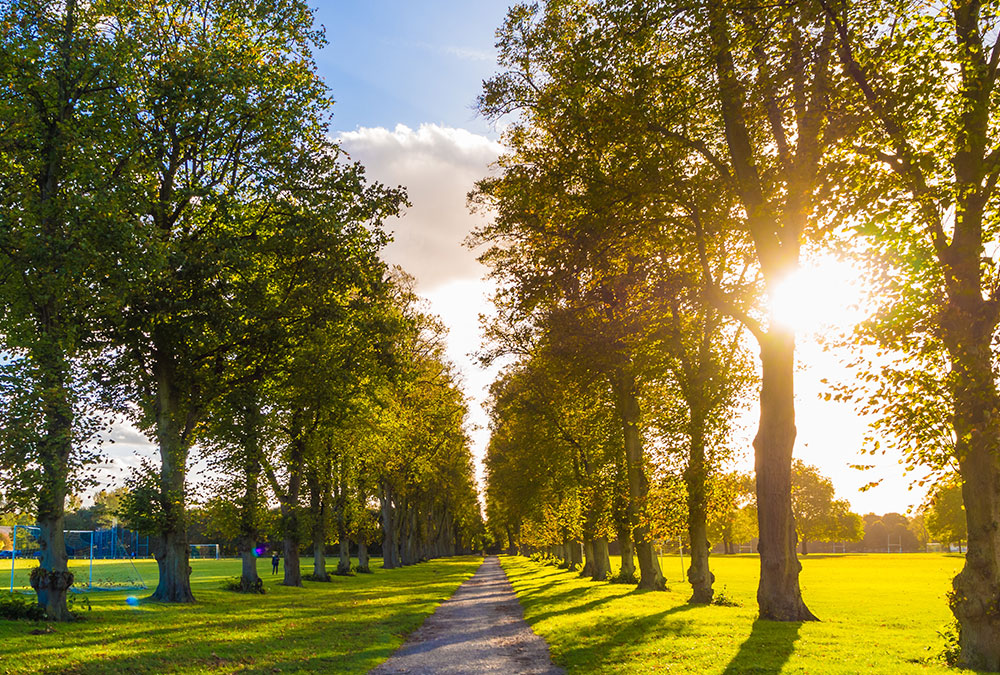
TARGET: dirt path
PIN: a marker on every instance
(479, 629)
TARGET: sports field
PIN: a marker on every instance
(348, 625)
(880, 613)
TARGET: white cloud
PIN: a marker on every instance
(461, 53)
(438, 166)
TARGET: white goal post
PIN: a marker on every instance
(203, 551)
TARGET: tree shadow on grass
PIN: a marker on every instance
(767, 649)
(574, 609)
(618, 637)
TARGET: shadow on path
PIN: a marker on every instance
(767, 649)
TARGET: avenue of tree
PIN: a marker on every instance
(669, 165)
(182, 245)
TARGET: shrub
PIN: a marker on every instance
(236, 584)
(327, 579)
(622, 578)
(723, 600)
(20, 607)
(951, 652)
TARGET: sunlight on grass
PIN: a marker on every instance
(879, 614)
(348, 625)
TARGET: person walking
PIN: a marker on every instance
(274, 563)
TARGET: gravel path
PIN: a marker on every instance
(479, 629)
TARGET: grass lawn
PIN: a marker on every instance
(348, 625)
(879, 614)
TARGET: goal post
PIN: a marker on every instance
(89, 573)
(204, 551)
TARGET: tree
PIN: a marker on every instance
(732, 495)
(818, 516)
(65, 252)
(220, 139)
(812, 502)
(708, 373)
(945, 514)
(768, 107)
(234, 166)
(927, 94)
(847, 525)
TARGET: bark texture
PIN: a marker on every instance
(363, 564)
(318, 507)
(246, 542)
(602, 560)
(290, 508)
(628, 555)
(55, 449)
(588, 558)
(776, 223)
(173, 550)
(695, 478)
(778, 594)
(627, 406)
(975, 599)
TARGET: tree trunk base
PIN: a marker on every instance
(650, 576)
(976, 604)
(602, 560)
(175, 572)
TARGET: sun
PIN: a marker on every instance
(824, 294)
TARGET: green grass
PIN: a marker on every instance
(348, 625)
(879, 614)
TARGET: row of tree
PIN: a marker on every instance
(669, 164)
(182, 244)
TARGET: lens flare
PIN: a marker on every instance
(132, 601)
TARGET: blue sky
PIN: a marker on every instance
(392, 62)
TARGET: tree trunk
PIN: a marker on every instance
(246, 542)
(628, 556)
(602, 560)
(54, 455)
(319, 508)
(976, 597)
(627, 405)
(290, 513)
(588, 558)
(575, 554)
(319, 572)
(250, 581)
(293, 569)
(390, 547)
(363, 565)
(778, 594)
(172, 557)
(695, 476)
(805, 546)
(344, 562)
